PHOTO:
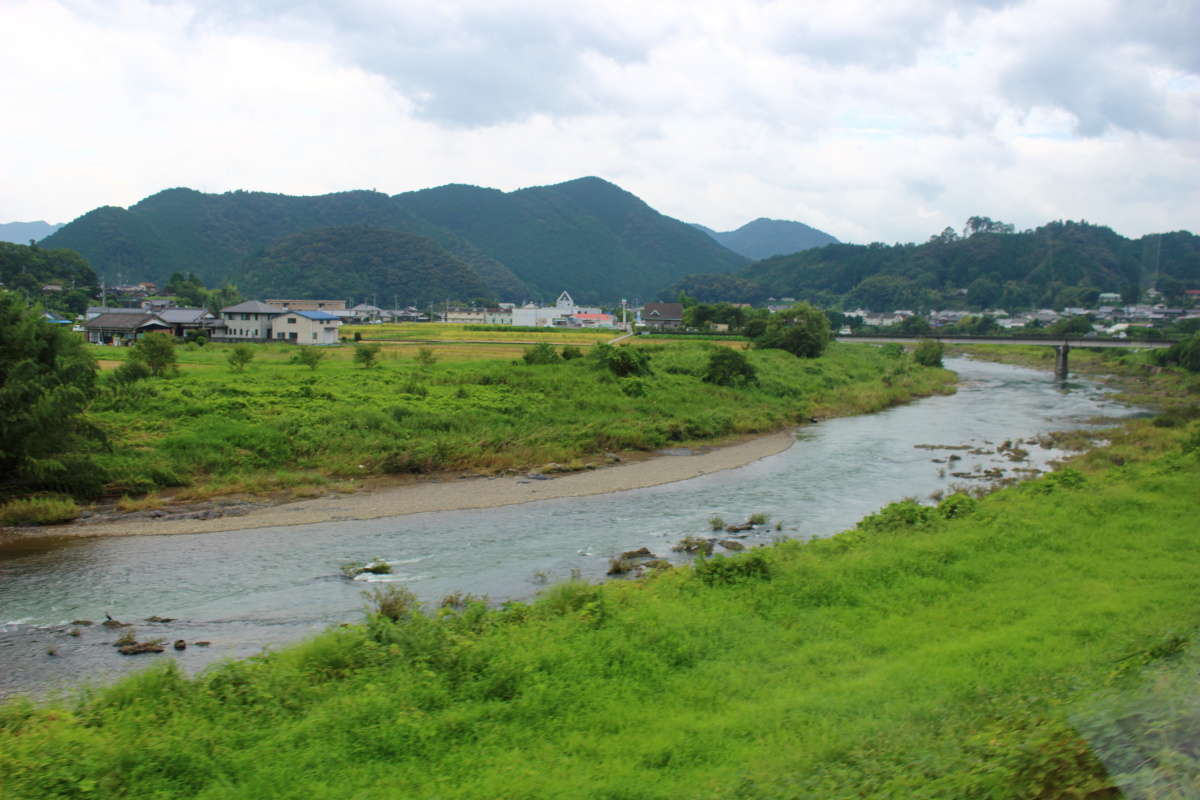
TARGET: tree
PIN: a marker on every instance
(915, 326)
(802, 330)
(624, 362)
(366, 355)
(240, 356)
(929, 353)
(157, 352)
(729, 367)
(47, 379)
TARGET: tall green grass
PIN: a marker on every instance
(211, 426)
(934, 653)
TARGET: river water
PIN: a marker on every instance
(246, 590)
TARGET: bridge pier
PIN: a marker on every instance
(1060, 360)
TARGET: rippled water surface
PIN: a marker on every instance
(243, 590)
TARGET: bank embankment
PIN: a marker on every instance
(980, 648)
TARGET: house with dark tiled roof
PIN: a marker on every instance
(663, 316)
(122, 329)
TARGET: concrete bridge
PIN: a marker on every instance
(1062, 344)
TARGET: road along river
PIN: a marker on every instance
(249, 589)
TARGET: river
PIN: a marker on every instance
(246, 590)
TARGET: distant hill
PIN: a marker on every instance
(359, 261)
(23, 232)
(1059, 264)
(588, 236)
(764, 238)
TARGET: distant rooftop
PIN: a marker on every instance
(253, 307)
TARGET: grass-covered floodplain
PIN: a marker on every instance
(960, 652)
(449, 332)
(279, 424)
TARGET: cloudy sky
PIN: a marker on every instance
(872, 121)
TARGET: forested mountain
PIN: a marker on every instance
(587, 236)
(25, 232)
(764, 238)
(28, 269)
(214, 236)
(360, 261)
(1059, 264)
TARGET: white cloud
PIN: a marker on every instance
(872, 121)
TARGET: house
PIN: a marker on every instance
(184, 320)
(310, 305)
(534, 316)
(466, 316)
(122, 329)
(246, 322)
(365, 312)
(662, 316)
(306, 327)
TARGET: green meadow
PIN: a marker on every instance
(986, 648)
(278, 425)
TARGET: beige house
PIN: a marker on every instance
(306, 327)
(246, 322)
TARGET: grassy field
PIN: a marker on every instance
(479, 408)
(1035, 643)
(445, 332)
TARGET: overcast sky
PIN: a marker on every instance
(869, 120)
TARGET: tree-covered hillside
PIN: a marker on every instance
(27, 269)
(360, 261)
(214, 236)
(1059, 264)
(587, 236)
(764, 238)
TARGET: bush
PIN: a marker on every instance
(426, 357)
(570, 351)
(366, 355)
(131, 371)
(892, 350)
(719, 570)
(308, 356)
(540, 353)
(240, 356)
(47, 510)
(729, 367)
(929, 353)
(156, 351)
(624, 362)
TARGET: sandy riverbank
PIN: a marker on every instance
(444, 495)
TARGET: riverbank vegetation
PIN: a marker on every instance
(988, 648)
(215, 423)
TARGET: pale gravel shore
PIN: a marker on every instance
(446, 495)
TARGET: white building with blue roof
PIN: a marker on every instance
(306, 327)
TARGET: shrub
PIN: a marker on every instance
(633, 387)
(240, 356)
(624, 362)
(570, 351)
(720, 570)
(131, 371)
(366, 355)
(426, 357)
(391, 602)
(716, 523)
(47, 510)
(157, 351)
(540, 353)
(729, 367)
(892, 350)
(308, 356)
(929, 353)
